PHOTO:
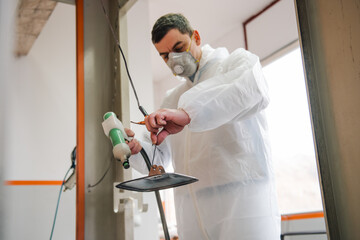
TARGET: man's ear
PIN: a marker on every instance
(197, 37)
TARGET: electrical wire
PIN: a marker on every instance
(103, 176)
(143, 111)
(131, 82)
(122, 53)
(127, 69)
(58, 202)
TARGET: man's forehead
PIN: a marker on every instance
(170, 39)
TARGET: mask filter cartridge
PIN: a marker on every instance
(182, 64)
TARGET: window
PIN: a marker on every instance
(291, 136)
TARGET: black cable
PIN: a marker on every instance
(103, 176)
(73, 158)
(122, 54)
(57, 205)
(146, 158)
(141, 108)
(143, 111)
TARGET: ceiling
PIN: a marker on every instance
(219, 22)
(213, 18)
(31, 18)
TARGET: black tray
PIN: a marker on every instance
(157, 182)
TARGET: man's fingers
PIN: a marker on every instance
(161, 136)
(152, 121)
(135, 146)
(131, 144)
(157, 120)
(169, 121)
(150, 124)
(129, 132)
(160, 119)
(153, 137)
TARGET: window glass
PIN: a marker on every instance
(291, 136)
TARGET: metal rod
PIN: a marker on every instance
(162, 215)
(158, 198)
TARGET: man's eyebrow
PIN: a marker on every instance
(175, 45)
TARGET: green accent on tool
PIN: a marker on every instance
(126, 164)
(116, 136)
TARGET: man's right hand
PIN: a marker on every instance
(170, 121)
(134, 144)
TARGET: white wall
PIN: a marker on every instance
(42, 101)
(6, 15)
(41, 125)
(273, 30)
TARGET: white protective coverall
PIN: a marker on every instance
(225, 146)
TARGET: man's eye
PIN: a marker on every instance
(178, 49)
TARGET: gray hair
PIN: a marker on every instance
(167, 22)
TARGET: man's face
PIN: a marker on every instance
(175, 41)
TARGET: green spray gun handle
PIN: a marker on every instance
(114, 129)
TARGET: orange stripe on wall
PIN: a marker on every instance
(302, 216)
(80, 123)
(31, 182)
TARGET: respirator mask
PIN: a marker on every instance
(183, 64)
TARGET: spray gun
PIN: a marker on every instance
(114, 130)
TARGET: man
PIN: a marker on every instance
(213, 127)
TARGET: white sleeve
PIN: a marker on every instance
(162, 156)
(239, 91)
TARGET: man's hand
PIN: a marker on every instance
(170, 120)
(134, 144)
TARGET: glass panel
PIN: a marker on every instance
(291, 136)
